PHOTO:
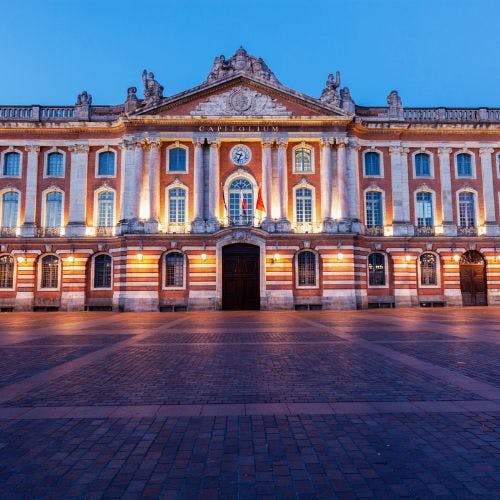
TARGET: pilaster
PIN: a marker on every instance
(401, 225)
(28, 227)
(283, 225)
(198, 224)
(267, 144)
(325, 171)
(77, 190)
(353, 186)
(490, 226)
(213, 222)
(449, 228)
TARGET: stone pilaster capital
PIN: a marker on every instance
(444, 151)
(341, 142)
(214, 142)
(327, 141)
(395, 150)
(150, 143)
(282, 143)
(405, 151)
(267, 142)
(32, 148)
(79, 148)
(198, 141)
(127, 144)
(486, 151)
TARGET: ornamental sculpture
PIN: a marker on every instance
(153, 91)
(330, 94)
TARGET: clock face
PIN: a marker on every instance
(241, 154)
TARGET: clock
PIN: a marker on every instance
(240, 154)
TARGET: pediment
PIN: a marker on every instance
(242, 96)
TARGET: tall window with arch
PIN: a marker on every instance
(428, 269)
(106, 164)
(12, 164)
(102, 271)
(240, 202)
(174, 270)
(306, 268)
(55, 165)
(376, 269)
(302, 160)
(6, 271)
(303, 205)
(425, 217)
(466, 209)
(177, 160)
(105, 208)
(177, 206)
(10, 209)
(422, 165)
(372, 163)
(53, 209)
(373, 209)
(49, 272)
(464, 165)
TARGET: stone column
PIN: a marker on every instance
(353, 186)
(344, 225)
(198, 224)
(154, 183)
(283, 225)
(449, 228)
(213, 222)
(325, 173)
(77, 190)
(267, 144)
(28, 227)
(401, 225)
(491, 228)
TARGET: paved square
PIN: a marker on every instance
(251, 404)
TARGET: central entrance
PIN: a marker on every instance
(473, 279)
(240, 277)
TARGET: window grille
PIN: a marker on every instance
(106, 206)
(373, 202)
(306, 264)
(303, 204)
(53, 209)
(50, 272)
(464, 165)
(376, 269)
(6, 271)
(428, 269)
(177, 206)
(422, 165)
(174, 270)
(240, 202)
(11, 164)
(55, 165)
(102, 271)
(424, 209)
(303, 160)
(466, 209)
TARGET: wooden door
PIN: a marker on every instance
(473, 279)
(240, 277)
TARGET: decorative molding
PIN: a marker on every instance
(79, 148)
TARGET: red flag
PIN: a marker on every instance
(244, 204)
(260, 202)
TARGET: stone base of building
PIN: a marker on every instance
(72, 301)
(339, 299)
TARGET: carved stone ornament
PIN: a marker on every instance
(153, 91)
(239, 236)
(3, 248)
(330, 94)
(48, 248)
(240, 101)
(307, 244)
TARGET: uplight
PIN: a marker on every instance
(139, 256)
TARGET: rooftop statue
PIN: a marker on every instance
(240, 62)
(330, 94)
(153, 91)
(84, 99)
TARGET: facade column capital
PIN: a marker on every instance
(282, 143)
(127, 144)
(79, 148)
(486, 151)
(198, 141)
(341, 142)
(395, 150)
(150, 143)
(267, 142)
(327, 141)
(32, 148)
(444, 151)
(214, 142)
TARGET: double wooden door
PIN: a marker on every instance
(473, 279)
(240, 277)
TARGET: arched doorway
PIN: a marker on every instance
(473, 279)
(240, 277)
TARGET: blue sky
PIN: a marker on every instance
(440, 52)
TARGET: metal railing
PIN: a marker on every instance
(105, 231)
(176, 228)
(240, 220)
(374, 230)
(426, 231)
(49, 232)
(466, 231)
(9, 232)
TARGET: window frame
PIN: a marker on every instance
(472, 164)
(14, 273)
(241, 174)
(3, 156)
(304, 185)
(316, 270)
(164, 270)
(2, 193)
(386, 269)
(176, 185)
(46, 163)
(39, 272)
(381, 163)
(44, 206)
(105, 149)
(431, 163)
(433, 201)
(97, 192)
(303, 145)
(476, 207)
(175, 145)
(438, 271)
(382, 197)
(92, 277)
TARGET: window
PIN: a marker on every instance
(6, 271)
(372, 163)
(422, 165)
(11, 164)
(53, 209)
(106, 165)
(466, 209)
(10, 209)
(50, 272)
(176, 206)
(105, 208)
(424, 209)
(240, 202)
(303, 160)
(376, 269)
(306, 268)
(428, 269)
(303, 205)
(374, 209)
(55, 167)
(174, 270)
(177, 160)
(102, 271)
(464, 165)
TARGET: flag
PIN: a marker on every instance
(260, 202)
(244, 204)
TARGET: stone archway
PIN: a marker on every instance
(473, 279)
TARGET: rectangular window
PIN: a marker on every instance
(11, 166)
(106, 164)
(464, 165)
(55, 167)
(424, 210)
(373, 209)
(177, 160)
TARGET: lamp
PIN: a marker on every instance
(276, 255)
(139, 255)
(340, 255)
(22, 258)
(456, 257)
(71, 257)
(204, 253)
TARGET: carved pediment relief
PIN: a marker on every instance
(240, 101)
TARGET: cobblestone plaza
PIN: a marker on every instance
(318, 404)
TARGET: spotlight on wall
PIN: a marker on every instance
(22, 258)
(340, 255)
(456, 256)
(204, 253)
(276, 256)
(71, 257)
(139, 256)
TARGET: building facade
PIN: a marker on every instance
(243, 193)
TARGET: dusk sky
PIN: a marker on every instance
(434, 52)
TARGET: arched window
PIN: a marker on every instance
(105, 208)
(464, 165)
(53, 209)
(372, 163)
(176, 206)
(10, 209)
(428, 269)
(240, 202)
(302, 160)
(102, 271)
(376, 269)
(422, 165)
(373, 207)
(306, 268)
(466, 209)
(50, 272)
(174, 270)
(12, 164)
(177, 160)
(55, 167)
(425, 216)
(303, 205)
(106, 165)
(6, 271)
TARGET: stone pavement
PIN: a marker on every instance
(380, 403)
